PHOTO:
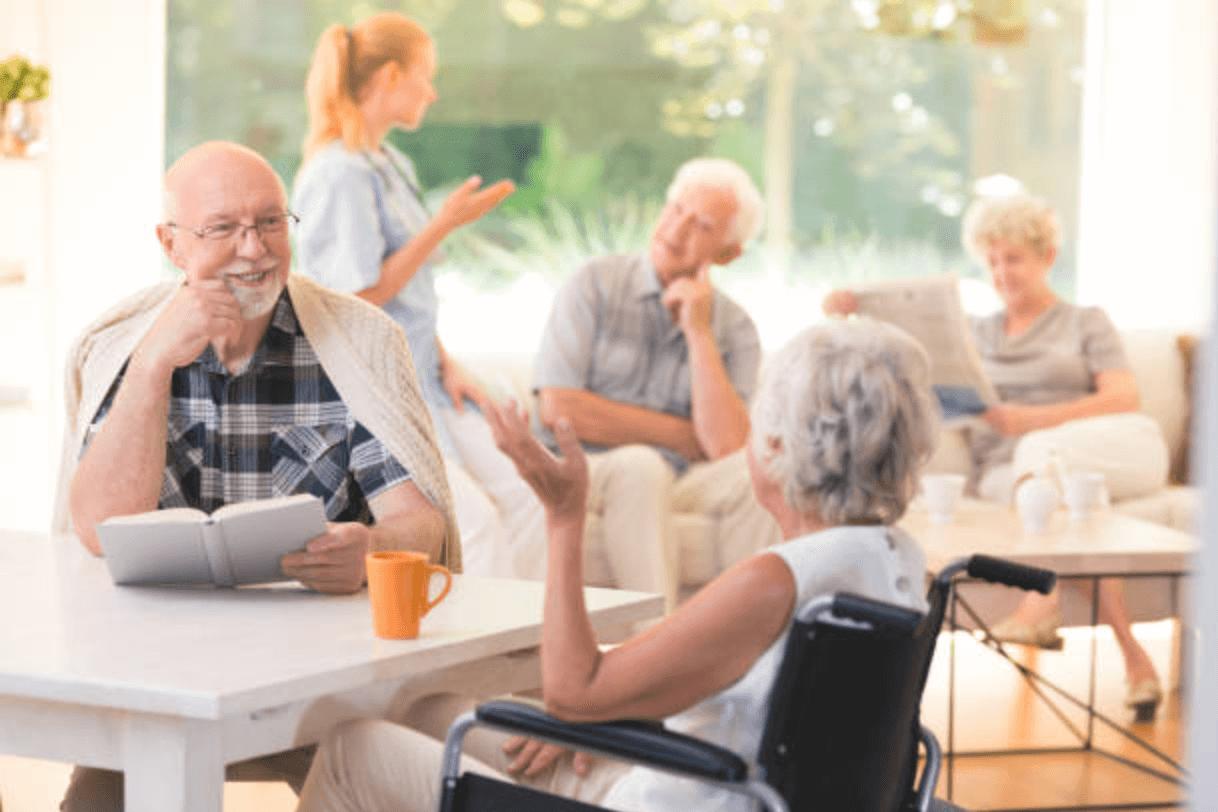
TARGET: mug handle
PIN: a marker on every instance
(448, 584)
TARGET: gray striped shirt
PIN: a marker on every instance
(610, 334)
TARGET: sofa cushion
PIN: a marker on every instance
(1159, 368)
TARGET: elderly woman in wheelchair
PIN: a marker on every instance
(841, 425)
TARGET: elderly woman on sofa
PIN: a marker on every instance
(841, 426)
(1066, 390)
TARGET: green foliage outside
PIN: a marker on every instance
(590, 105)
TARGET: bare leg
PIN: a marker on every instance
(1138, 665)
(1036, 608)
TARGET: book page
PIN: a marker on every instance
(257, 534)
(152, 552)
(929, 309)
(167, 516)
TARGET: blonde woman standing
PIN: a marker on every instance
(365, 229)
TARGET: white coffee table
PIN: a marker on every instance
(170, 685)
(1104, 544)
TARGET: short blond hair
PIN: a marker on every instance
(343, 62)
(1020, 219)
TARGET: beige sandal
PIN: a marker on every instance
(1042, 634)
(1144, 697)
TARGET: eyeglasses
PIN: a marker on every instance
(218, 232)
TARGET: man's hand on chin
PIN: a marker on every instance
(689, 301)
(333, 562)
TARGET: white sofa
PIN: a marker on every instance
(1157, 363)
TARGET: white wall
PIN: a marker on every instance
(108, 120)
(22, 31)
(1203, 701)
(1147, 198)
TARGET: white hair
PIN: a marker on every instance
(844, 421)
(1019, 219)
(720, 173)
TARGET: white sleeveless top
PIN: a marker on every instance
(882, 563)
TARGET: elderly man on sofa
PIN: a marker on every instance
(244, 381)
(654, 367)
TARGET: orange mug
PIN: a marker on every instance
(398, 586)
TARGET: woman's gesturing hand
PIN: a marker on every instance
(468, 202)
(561, 483)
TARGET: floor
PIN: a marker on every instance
(996, 709)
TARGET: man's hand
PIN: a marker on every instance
(689, 301)
(534, 757)
(460, 385)
(561, 483)
(840, 303)
(468, 203)
(334, 562)
(1011, 420)
(198, 313)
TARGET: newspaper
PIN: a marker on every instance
(929, 309)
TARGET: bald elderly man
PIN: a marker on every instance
(240, 381)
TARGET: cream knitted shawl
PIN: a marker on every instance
(361, 349)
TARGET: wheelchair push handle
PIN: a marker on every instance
(877, 613)
(1001, 571)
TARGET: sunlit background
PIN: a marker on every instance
(867, 124)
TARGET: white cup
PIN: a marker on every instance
(1035, 499)
(940, 492)
(1084, 492)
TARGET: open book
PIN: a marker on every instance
(237, 544)
(929, 309)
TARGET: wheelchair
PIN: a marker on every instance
(842, 731)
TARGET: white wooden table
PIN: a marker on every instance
(170, 685)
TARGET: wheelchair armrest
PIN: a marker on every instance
(645, 743)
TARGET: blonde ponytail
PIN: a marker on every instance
(343, 62)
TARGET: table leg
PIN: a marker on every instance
(172, 765)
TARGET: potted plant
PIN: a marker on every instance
(23, 87)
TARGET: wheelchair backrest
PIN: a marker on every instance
(843, 721)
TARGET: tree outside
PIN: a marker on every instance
(865, 122)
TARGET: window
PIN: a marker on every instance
(873, 120)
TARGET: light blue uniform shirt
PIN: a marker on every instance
(356, 209)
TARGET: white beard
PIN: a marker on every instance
(253, 302)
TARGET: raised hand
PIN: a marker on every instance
(561, 483)
(468, 203)
(840, 303)
(690, 300)
(199, 313)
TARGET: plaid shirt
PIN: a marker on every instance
(276, 428)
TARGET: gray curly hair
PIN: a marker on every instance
(844, 420)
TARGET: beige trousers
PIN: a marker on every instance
(375, 766)
(1128, 449)
(631, 541)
